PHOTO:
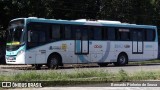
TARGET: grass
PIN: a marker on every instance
(81, 77)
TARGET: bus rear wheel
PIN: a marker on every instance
(53, 62)
(121, 60)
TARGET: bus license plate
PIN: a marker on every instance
(11, 58)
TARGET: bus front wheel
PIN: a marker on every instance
(121, 60)
(53, 62)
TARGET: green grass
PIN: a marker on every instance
(83, 77)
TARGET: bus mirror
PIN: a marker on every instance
(29, 36)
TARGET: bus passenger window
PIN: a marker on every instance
(42, 37)
(134, 35)
(111, 33)
(140, 35)
(85, 34)
(67, 32)
(34, 36)
(91, 34)
(55, 32)
(97, 33)
(124, 34)
(105, 37)
(150, 34)
(78, 34)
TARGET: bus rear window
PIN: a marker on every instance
(149, 35)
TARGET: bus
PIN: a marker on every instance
(51, 42)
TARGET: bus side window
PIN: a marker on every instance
(42, 36)
(34, 36)
(111, 33)
(123, 34)
(85, 33)
(134, 35)
(149, 35)
(55, 32)
(76, 32)
(90, 34)
(97, 33)
(105, 36)
(67, 32)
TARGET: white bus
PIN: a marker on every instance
(53, 42)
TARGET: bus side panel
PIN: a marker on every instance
(148, 50)
(36, 55)
(112, 55)
(65, 49)
(96, 49)
(68, 53)
(102, 51)
(123, 46)
(30, 57)
(155, 51)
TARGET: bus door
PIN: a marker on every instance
(81, 42)
(137, 43)
(36, 39)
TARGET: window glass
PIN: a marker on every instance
(140, 35)
(78, 34)
(134, 35)
(34, 36)
(150, 34)
(105, 36)
(37, 32)
(111, 33)
(42, 36)
(67, 32)
(56, 32)
(90, 33)
(124, 34)
(137, 35)
(97, 33)
(84, 34)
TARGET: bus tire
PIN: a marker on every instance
(102, 64)
(121, 60)
(53, 62)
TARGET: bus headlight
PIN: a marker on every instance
(20, 52)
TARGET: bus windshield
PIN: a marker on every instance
(15, 36)
(15, 32)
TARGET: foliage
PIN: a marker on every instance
(129, 11)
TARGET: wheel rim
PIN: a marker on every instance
(122, 59)
(53, 63)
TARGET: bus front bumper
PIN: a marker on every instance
(16, 59)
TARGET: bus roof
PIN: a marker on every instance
(87, 22)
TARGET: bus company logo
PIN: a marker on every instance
(64, 46)
(149, 46)
(97, 46)
(6, 84)
(127, 46)
(118, 46)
